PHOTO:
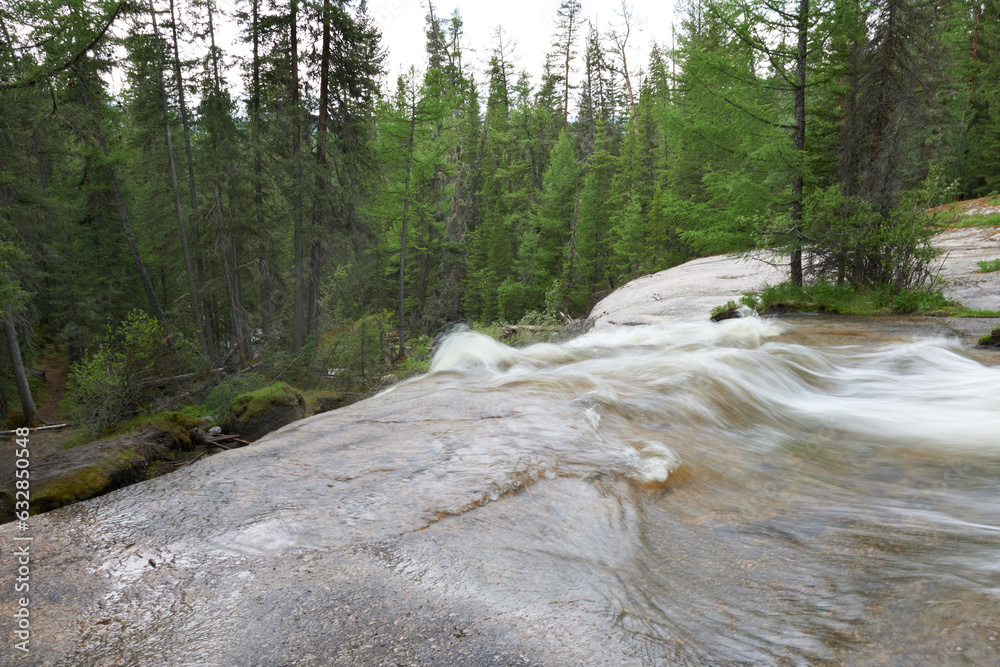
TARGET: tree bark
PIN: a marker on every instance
(20, 376)
(298, 325)
(799, 142)
(147, 285)
(402, 233)
(206, 324)
(266, 305)
(185, 252)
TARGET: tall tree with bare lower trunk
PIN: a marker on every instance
(28, 410)
(619, 37)
(298, 272)
(147, 284)
(257, 127)
(411, 102)
(220, 125)
(790, 65)
(206, 324)
(185, 252)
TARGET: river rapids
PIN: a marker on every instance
(748, 492)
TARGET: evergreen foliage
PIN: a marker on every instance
(271, 218)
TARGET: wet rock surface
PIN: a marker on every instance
(689, 292)
(253, 422)
(294, 552)
(749, 492)
(83, 472)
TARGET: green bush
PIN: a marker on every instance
(990, 266)
(219, 400)
(825, 296)
(357, 351)
(849, 240)
(116, 379)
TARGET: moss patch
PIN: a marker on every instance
(124, 467)
(177, 424)
(69, 476)
(992, 339)
(259, 412)
(256, 403)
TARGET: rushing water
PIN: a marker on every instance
(748, 492)
(785, 501)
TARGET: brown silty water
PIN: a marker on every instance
(812, 491)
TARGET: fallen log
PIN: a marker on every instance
(36, 428)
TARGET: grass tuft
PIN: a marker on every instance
(828, 297)
(989, 266)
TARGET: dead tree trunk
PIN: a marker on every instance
(20, 376)
(185, 252)
(206, 324)
(147, 285)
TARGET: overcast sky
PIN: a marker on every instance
(531, 23)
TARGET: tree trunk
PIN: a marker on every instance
(185, 252)
(312, 312)
(147, 285)
(402, 233)
(232, 288)
(206, 323)
(226, 240)
(20, 376)
(799, 142)
(319, 201)
(266, 305)
(298, 325)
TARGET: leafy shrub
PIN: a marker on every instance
(990, 266)
(829, 297)
(116, 379)
(555, 299)
(356, 351)
(219, 400)
(848, 238)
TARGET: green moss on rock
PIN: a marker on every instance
(257, 403)
(992, 339)
(123, 468)
(259, 412)
(72, 475)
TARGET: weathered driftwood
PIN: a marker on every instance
(37, 428)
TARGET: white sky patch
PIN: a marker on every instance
(530, 23)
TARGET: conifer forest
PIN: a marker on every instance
(284, 198)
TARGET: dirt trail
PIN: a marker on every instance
(54, 364)
(43, 443)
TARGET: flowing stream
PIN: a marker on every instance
(749, 492)
(794, 493)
